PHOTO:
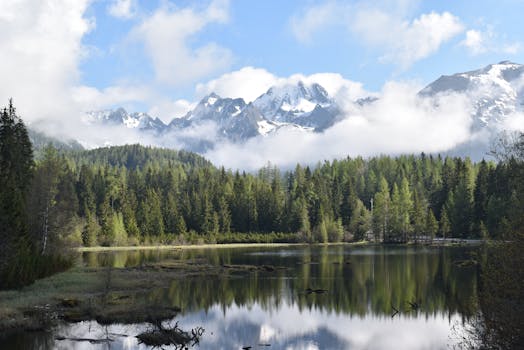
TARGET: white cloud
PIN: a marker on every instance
(122, 8)
(514, 122)
(314, 19)
(41, 49)
(249, 83)
(399, 122)
(512, 49)
(406, 42)
(487, 40)
(167, 110)
(474, 41)
(88, 98)
(382, 26)
(166, 34)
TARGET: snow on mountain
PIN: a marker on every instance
(120, 116)
(290, 106)
(291, 103)
(299, 106)
(214, 108)
(495, 91)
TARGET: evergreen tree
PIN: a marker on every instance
(419, 215)
(16, 172)
(91, 230)
(381, 211)
(431, 228)
(445, 226)
(360, 222)
(43, 200)
(480, 199)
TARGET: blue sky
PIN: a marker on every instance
(62, 58)
(161, 56)
(263, 34)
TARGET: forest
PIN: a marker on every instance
(134, 195)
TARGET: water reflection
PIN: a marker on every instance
(256, 308)
(358, 281)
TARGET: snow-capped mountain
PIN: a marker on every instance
(235, 120)
(293, 106)
(120, 116)
(300, 104)
(495, 91)
(296, 106)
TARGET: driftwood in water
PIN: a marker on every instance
(414, 305)
(316, 291)
(161, 335)
(90, 340)
(396, 311)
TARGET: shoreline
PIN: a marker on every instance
(189, 246)
(439, 242)
(81, 292)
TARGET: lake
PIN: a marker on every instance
(303, 297)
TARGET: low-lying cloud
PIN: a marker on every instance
(398, 122)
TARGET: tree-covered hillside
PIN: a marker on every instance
(135, 194)
(134, 157)
(41, 140)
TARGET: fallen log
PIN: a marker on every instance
(90, 340)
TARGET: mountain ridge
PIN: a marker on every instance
(494, 92)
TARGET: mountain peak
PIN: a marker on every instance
(495, 91)
(210, 99)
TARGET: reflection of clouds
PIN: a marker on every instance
(266, 333)
(284, 327)
(93, 330)
(288, 327)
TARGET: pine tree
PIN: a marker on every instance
(480, 199)
(129, 217)
(419, 215)
(43, 200)
(395, 222)
(91, 230)
(382, 212)
(360, 221)
(16, 172)
(406, 207)
(119, 230)
(445, 226)
(431, 225)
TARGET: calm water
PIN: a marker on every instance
(363, 286)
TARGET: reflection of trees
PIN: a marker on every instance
(500, 324)
(373, 281)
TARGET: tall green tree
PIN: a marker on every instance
(16, 172)
(43, 203)
(382, 211)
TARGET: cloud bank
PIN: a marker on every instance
(399, 122)
(249, 83)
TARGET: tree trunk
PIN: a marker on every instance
(45, 228)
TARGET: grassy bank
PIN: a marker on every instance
(108, 295)
(440, 243)
(192, 246)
